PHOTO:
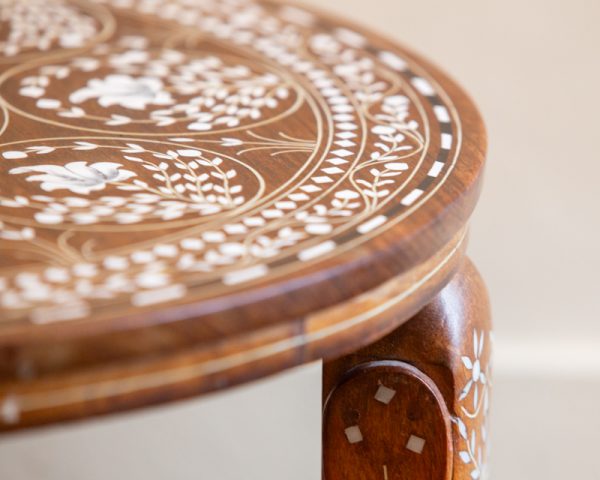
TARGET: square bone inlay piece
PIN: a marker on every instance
(415, 444)
(353, 434)
(384, 394)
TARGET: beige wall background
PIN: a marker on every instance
(534, 69)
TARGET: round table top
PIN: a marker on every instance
(199, 193)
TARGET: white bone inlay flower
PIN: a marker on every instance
(474, 366)
(181, 91)
(125, 91)
(79, 177)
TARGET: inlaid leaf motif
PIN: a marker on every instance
(183, 182)
(160, 87)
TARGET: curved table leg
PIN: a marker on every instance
(415, 404)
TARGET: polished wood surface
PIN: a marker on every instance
(420, 396)
(196, 196)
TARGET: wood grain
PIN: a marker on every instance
(190, 201)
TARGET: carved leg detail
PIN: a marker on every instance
(414, 405)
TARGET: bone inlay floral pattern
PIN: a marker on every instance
(171, 166)
(473, 405)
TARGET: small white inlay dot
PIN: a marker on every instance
(384, 394)
(353, 434)
(372, 224)
(411, 197)
(435, 169)
(446, 141)
(158, 295)
(10, 411)
(415, 444)
(441, 113)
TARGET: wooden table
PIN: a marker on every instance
(198, 194)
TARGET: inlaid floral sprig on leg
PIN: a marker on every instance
(472, 420)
